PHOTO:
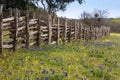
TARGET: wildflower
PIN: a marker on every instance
(65, 73)
(84, 55)
(27, 58)
(76, 75)
(53, 71)
(44, 71)
(110, 69)
(101, 67)
(18, 79)
(77, 59)
(22, 62)
(35, 62)
(56, 75)
(46, 78)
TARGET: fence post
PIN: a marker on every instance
(1, 25)
(15, 30)
(78, 35)
(39, 32)
(90, 30)
(75, 22)
(27, 30)
(69, 35)
(49, 29)
(65, 31)
(58, 30)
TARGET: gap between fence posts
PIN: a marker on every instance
(1, 26)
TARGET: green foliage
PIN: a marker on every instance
(55, 5)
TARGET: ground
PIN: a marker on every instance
(93, 60)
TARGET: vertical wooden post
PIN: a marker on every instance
(1, 25)
(75, 26)
(27, 30)
(49, 29)
(65, 31)
(58, 30)
(81, 31)
(90, 33)
(15, 30)
(39, 32)
(69, 37)
(78, 35)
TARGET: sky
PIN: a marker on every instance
(74, 10)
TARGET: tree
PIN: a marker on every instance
(55, 5)
(96, 18)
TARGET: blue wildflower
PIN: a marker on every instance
(65, 73)
(44, 71)
(46, 78)
(110, 69)
(56, 75)
(101, 66)
(18, 79)
(76, 75)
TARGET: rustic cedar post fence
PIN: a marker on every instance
(1, 26)
(35, 31)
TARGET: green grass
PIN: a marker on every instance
(94, 60)
(117, 20)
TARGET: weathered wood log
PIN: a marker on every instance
(1, 26)
(8, 41)
(27, 30)
(58, 31)
(65, 31)
(49, 29)
(33, 33)
(33, 43)
(7, 46)
(8, 19)
(38, 32)
(15, 30)
(21, 28)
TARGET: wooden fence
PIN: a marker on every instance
(22, 32)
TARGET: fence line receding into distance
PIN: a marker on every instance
(22, 32)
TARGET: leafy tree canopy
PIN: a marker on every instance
(49, 5)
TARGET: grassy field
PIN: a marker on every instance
(95, 60)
